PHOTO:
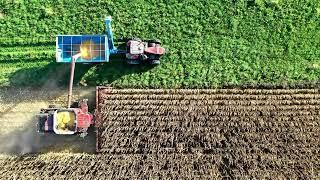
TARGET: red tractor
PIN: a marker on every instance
(138, 51)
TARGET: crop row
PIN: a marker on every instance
(202, 106)
(26, 41)
(45, 55)
(303, 124)
(211, 97)
(205, 121)
(232, 164)
(224, 112)
(17, 49)
(210, 91)
(209, 102)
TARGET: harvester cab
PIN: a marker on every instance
(91, 49)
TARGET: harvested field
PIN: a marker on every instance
(240, 133)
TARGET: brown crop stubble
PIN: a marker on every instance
(249, 132)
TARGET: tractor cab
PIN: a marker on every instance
(138, 51)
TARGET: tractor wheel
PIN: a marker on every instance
(155, 62)
(133, 62)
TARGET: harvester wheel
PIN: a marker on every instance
(83, 135)
(74, 105)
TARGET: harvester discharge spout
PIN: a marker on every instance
(112, 48)
(73, 64)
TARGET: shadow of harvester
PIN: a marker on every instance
(53, 75)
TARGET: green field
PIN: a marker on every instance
(210, 43)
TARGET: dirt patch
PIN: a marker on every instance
(2, 16)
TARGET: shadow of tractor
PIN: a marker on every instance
(56, 75)
(107, 73)
(53, 75)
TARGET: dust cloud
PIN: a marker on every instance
(28, 140)
(20, 141)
